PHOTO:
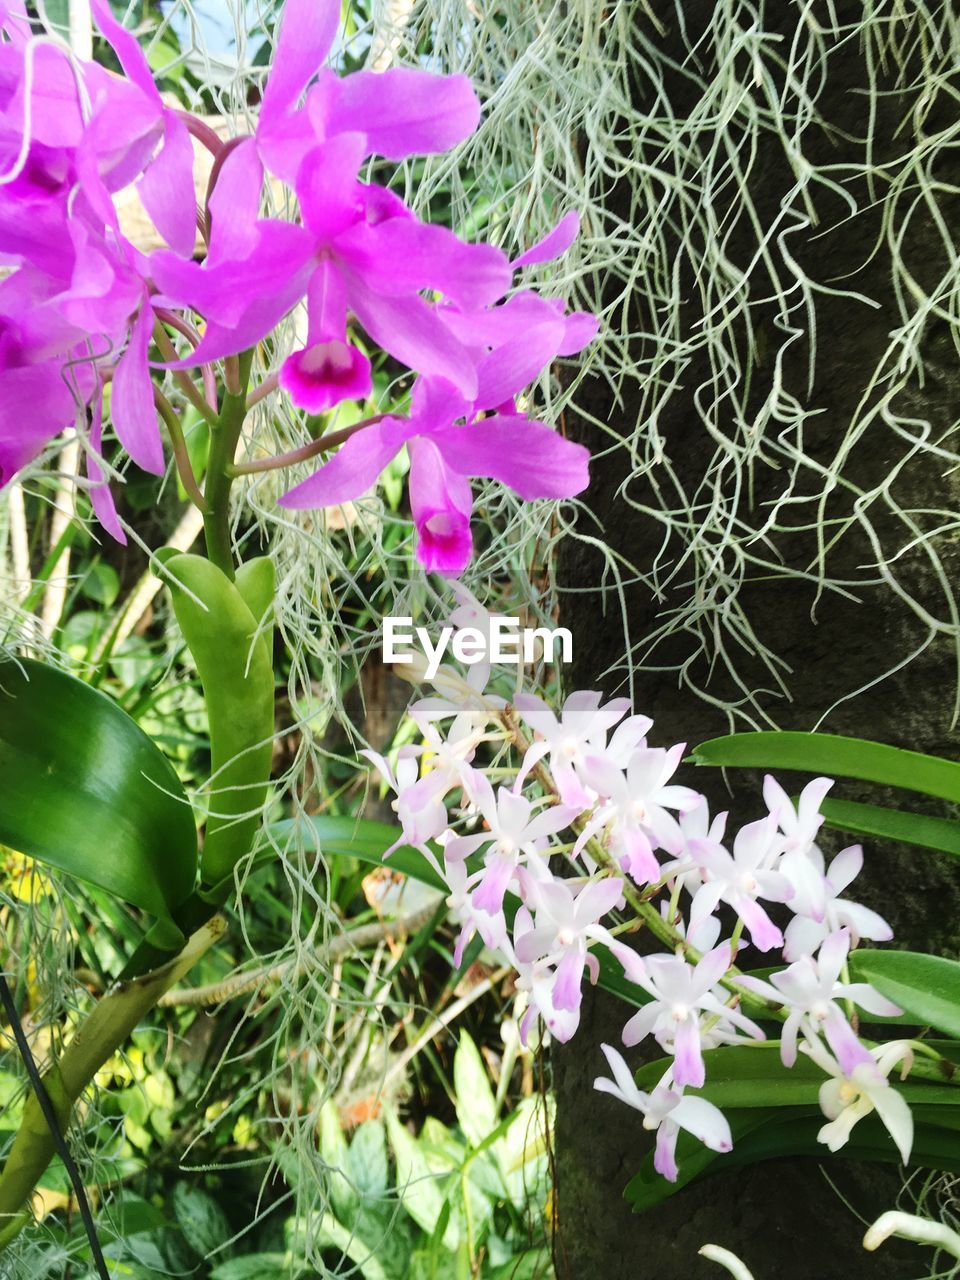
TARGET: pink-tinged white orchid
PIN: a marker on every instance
(666, 1110)
(552, 945)
(419, 801)
(490, 925)
(685, 998)
(740, 878)
(513, 833)
(849, 1096)
(634, 809)
(806, 931)
(579, 732)
(809, 990)
(610, 787)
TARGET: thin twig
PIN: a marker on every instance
(182, 378)
(354, 939)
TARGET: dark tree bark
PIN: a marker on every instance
(783, 1217)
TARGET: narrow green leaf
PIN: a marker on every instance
(86, 791)
(750, 1076)
(928, 987)
(836, 757)
(942, 834)
(769, 1135)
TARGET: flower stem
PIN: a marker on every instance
(224, 438)
(180, 452)
(182, 378)
(306, 451)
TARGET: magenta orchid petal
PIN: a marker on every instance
(353, 469)
(403, 256)
(131, 401)
(510, 368)
(128, 51)
(326, 304)
(413, 333)
(164, 183)
(554, 243)
(101, 499)
(325, 374)
(404, 111)
(234, 204)
(532, 459)
(307, 30)
(579, 330)
(35, 406)
(441, 502)
(275, 274)
(327, 186)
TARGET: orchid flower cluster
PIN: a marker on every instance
(586, 835)
(80, 305)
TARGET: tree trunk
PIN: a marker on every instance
(856, 411)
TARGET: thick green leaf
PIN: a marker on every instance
(927, 987)
(942, 834)
(752, 1076)
(422, 1192)
(837, 757)
(363, 839)
(770, 1135)
(648, 1188)
(86, 791)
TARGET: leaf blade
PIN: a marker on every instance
(86, 791)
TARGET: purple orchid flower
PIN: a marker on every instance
(81, 304)
(450, 441)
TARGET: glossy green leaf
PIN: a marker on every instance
(752, 1076)
(648, 1187)
(942, 834)
(770, 1135)
(927, 987)
(86, 791)
(836, 757)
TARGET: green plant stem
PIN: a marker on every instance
(182, 378)
(180, 452)
(97, 1039)
(224, 438)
